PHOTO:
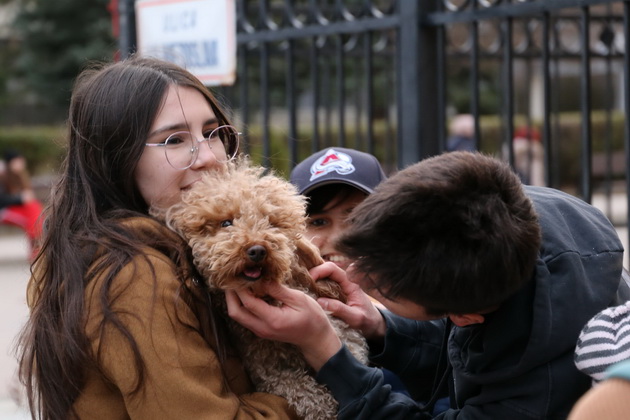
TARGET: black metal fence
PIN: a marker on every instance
(388, 76)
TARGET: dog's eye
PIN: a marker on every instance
(226, 223)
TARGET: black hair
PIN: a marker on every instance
(320, 197)
(455, 233)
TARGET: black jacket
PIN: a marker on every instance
(518, 364)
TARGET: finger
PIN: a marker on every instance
(327, 270)
(333, 306)
(331, 271)
(251, 303)
(232, 299)
(241, 314)
(290, 298)
(340, 310)
(236, 309)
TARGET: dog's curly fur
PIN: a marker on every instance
(246, 228)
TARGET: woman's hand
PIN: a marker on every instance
(299, 320)
(359, 311)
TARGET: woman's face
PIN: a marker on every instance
(324, 227)
(184, 109)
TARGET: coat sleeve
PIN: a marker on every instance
(183, 378)
(411, 349)
(362, 393)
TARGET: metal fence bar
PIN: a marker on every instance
(291, 101)
(127, 28)
(474, 77)
(368, 57)
(341, 87)
(264, 102)
(440, 64)
(508, 89)
(409, 103)
(585, 87)
(355, 27)
(546, 128)
(426, 112)
(501, 11)
(314, 54)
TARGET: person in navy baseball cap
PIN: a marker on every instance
(338, 165)
(334, 180)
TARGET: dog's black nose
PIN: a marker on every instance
(257, 253)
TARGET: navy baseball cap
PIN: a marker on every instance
(338, 165)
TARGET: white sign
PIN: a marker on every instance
(199, 35)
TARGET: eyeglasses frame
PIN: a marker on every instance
(195, 152)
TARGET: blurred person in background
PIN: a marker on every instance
(461, 134)
(18, 204)
(529, 156)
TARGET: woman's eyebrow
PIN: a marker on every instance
(180, 126)
(168, 128)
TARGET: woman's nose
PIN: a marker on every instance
(205, 157)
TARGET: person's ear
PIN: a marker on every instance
(467, 319)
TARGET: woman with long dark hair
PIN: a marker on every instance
(120, 324)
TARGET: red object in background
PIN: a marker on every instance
(28, 217)
(112, 8)
(526, 133)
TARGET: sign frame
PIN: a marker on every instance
(176, 31)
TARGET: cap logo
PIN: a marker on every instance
(332, 161)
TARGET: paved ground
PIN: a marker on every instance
(14, 275)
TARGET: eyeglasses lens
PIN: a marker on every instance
(229, 137)
(182, 149)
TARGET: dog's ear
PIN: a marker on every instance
(307, 253)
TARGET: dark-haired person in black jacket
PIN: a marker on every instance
(499, 277)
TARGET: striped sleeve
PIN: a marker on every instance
(604, 341)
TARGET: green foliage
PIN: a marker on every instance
(57, 39)
(459, 94)
(7, 55)
(42, 146)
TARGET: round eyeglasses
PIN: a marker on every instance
(182, 148)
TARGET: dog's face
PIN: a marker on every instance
(242, 227)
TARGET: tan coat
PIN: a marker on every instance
(183, 379)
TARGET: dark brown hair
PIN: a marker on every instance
(320, 197)
(455, 233)
(112, 109)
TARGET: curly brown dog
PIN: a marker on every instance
(246, 228)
